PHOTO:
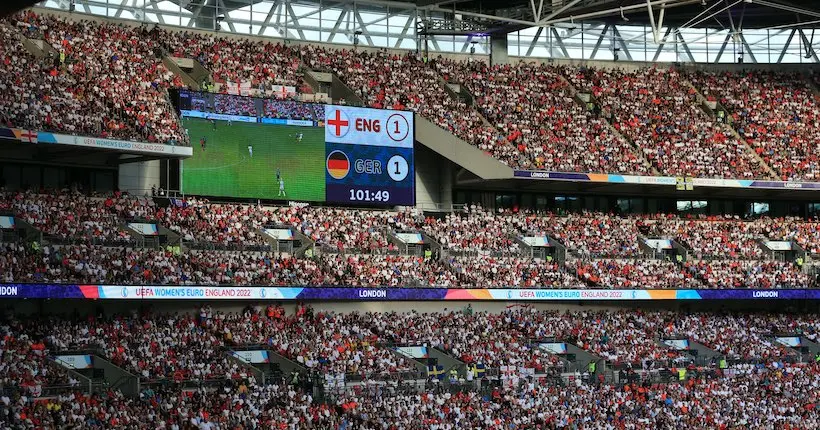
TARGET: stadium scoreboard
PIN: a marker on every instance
(369, 156)
(248, 147)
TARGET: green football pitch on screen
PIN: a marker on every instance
(243, 160)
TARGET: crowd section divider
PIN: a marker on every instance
(337, 293)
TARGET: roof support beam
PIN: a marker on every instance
(557, 12)
(293, 18)
(656, 28)
(810, 52)
(338, 23)
(556, 40)
(221, 5)
(747, 48)
(729, 14)
(714, 15)
(723, 47)
(786, 47)
(362, 26)
(629, 8)
(485, 16)
(661, 44)
(684, 46)
(534, 41)
(599, 42)
(268, 17)
(617, 35)
(121, 9)
(536, 11)
(406, 29)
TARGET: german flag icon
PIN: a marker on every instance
(338, 165)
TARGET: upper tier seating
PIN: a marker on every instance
(658, 112)
(776, 112)
(110, 83)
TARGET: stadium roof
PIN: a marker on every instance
(688, 31)
(512, 15)
(500, 16)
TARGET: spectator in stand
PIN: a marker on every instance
(716, 237)
(635, 274)
(75, 217)
(493, 340)
(747, 338)
(291, 110)
(749, 274)
(107, 83)
(659, 113)
(234, 61)
(173, 347)
(805, 233)
(386, 271)
(327, 342)
(592, 234)
(775, 112)
(234, 105)
(534, 107)
(25, 366)
(511, 272)
(712, 403)
(474, 230)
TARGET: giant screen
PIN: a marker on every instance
(286, 150)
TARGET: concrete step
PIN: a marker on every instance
(636, 149)
(189, 70)
(708, 111)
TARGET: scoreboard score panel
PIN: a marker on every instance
(373, 127)
(292, 151)
(369, 156)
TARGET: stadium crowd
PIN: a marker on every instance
(658, 112)
(533, 106)
(748, 274)
(721, 238)
(77, 217)
(152, 346)
(26, 365)
(94, 264)
(103, 80)
(635, 274)
(117, 89)
(186, 346)
(87, 240)
(778, 390)
(776, 112)
(234, 105)
(516, 272)
(233, 60)
(710, 404)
